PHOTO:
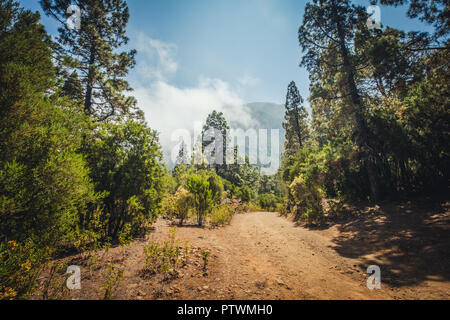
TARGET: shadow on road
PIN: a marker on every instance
(409, 241)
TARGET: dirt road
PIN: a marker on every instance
(264, 256)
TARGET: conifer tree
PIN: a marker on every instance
(296, 125)
(216, 122)
(329, 31)
(93, 51)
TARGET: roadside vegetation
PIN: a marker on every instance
(81, 170)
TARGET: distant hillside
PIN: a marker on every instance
(267, 116)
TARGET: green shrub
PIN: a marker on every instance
(113, 276)
(249, 207)
(205, 255)
(269, 202)
(221, 215)
(244, 193)
(163, 257)
(216, 186)
(199, 187)
(125, 162)
(178, 205)
(308, 196)
(183, 202)
(19, 267)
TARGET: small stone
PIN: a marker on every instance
(141, 293)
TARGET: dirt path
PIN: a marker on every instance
(264, 256)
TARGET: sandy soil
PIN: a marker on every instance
(264, 256)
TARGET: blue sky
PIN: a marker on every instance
(198, 55)
(250, 44)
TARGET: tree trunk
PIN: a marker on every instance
(361, 126)
(89, 85)
(297, 127)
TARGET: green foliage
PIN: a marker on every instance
(216, 186)
(164, 257)
(94, 50)
(378, 104)
(216, 126)
(244, 193)
(246, 207)
(235, 172)
(44, 182)
(199, 187)
(66, 182)
(432, 12)
(205, 255)
(178, 205)
(221, 215)
(125, 164)
(113, 276)
(269, 202)
(308, 196)
(19, 267)
(296, 125)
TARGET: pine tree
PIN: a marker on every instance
(296, 125)
(216, 124)
(73, 88)
(434, 12)
(93, 52)
(183, 156)
(329, 31)
(44, 183)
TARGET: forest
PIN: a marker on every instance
(81, 170)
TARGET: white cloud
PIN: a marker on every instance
(168, 107)
(157, 58)
(248, 80)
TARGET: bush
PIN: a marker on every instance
(221, 215)
(308, 196)
(19, 268)
(269, 202)
(177, 206)
(113, 276)
(216, 186)
(125, 164)
(183, 202)
(198, 186)
(244, 193)
(249, 207)
(164, 257)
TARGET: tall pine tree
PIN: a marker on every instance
(296, 125)
(93, 51)
(216, 126)
(329, 31)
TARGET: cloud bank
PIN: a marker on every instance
(168, 107)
